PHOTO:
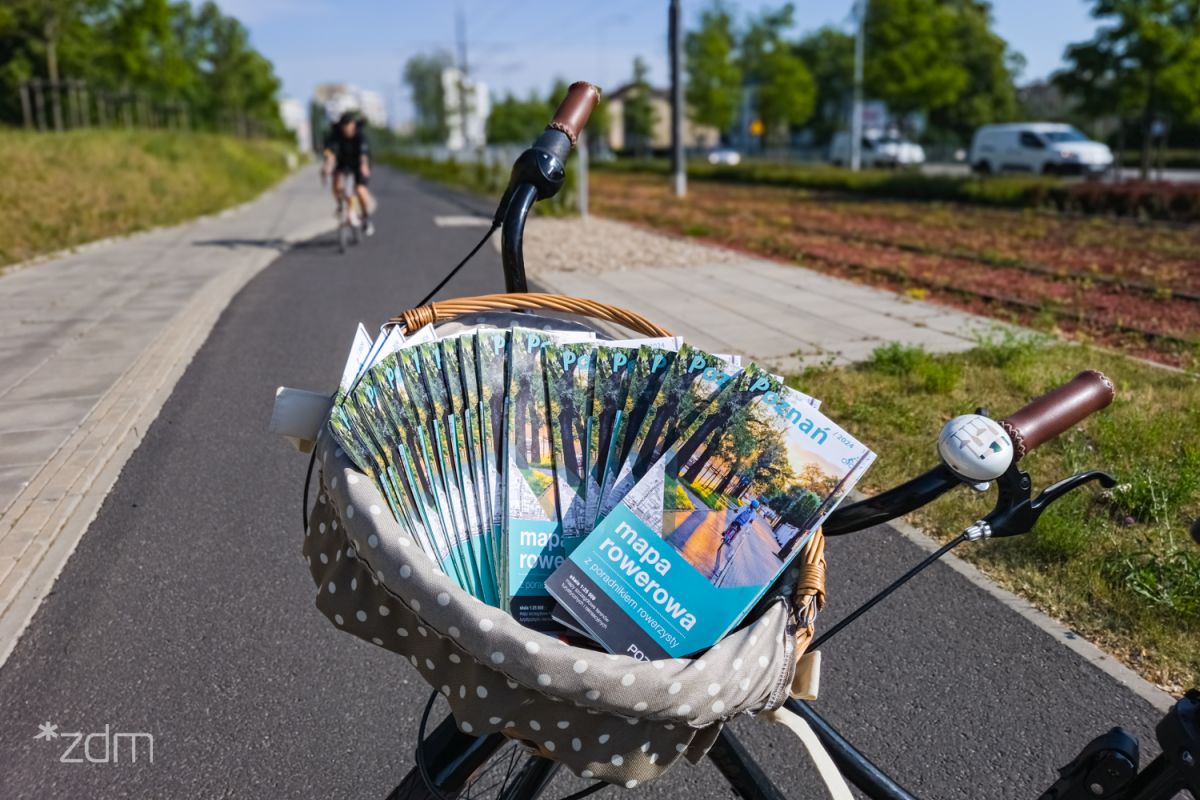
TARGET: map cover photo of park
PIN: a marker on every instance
(743, 490)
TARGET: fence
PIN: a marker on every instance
(60, 105)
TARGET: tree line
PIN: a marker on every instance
(940, 61)
(170, 52)
(944, 60)
(940, 58)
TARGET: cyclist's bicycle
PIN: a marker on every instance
(451, 763)
(350, 218)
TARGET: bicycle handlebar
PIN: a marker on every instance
(573, 112)
(538, 174)
(1037, 423)
(1054, 412)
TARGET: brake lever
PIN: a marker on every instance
(1017, 511)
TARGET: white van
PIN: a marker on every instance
(878, 150)
(1040, 147)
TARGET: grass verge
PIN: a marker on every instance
(65, 189)
(1118, 566)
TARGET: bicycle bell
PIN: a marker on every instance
(975, 448)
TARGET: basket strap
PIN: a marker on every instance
(828, 771)
(810, 582)
(443, 310)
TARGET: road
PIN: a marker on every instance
(750, 559)
(187, 611)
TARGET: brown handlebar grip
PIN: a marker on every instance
(1054, 412)
(573, 112)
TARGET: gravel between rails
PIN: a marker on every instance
(601, 245)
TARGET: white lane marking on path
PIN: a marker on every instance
(462, 221)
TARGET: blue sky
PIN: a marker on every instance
(522, 44)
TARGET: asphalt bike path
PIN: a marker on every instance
(187, 612)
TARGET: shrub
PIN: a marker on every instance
(1177, 202)
(1170, 581)
(915, 365)
(1139, 199)
(680, 500)
(895, 358)
(1004, 349)
(1157, 492)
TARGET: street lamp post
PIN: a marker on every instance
(675, 37)
(856, 111)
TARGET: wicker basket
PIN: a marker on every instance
(604, 716)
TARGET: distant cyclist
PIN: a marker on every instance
(346, 153)
(743, 518)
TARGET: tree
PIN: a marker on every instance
(786, 93)
(164, 51)
(989, 94)
(423, 74)
(714, 77)
(829, 55)
(640, 114)
(1145, 59)
(912, 61)
(237, 84)
(516, 121)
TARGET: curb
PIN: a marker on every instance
(45, 522)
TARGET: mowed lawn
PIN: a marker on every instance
(61, 190)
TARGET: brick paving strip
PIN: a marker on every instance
(783, 316)
(93, 342)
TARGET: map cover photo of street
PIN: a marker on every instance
(742, 492)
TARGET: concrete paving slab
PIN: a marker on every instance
(30, 448)
(786, 316)
(67, 377)
(34, 415)
(14, 478)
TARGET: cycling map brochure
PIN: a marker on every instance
(532, 533)
(690, 549)
(642, 493)
(491, 365)
(645, 377)
(569, 389)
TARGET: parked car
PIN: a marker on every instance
(1047, 148)
(725, 157)
(878, 150)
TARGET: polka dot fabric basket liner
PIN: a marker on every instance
(608, 717)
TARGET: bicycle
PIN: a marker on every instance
(451, 763)
(350, 224)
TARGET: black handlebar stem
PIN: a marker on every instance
(537, 174)
(542, 166)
